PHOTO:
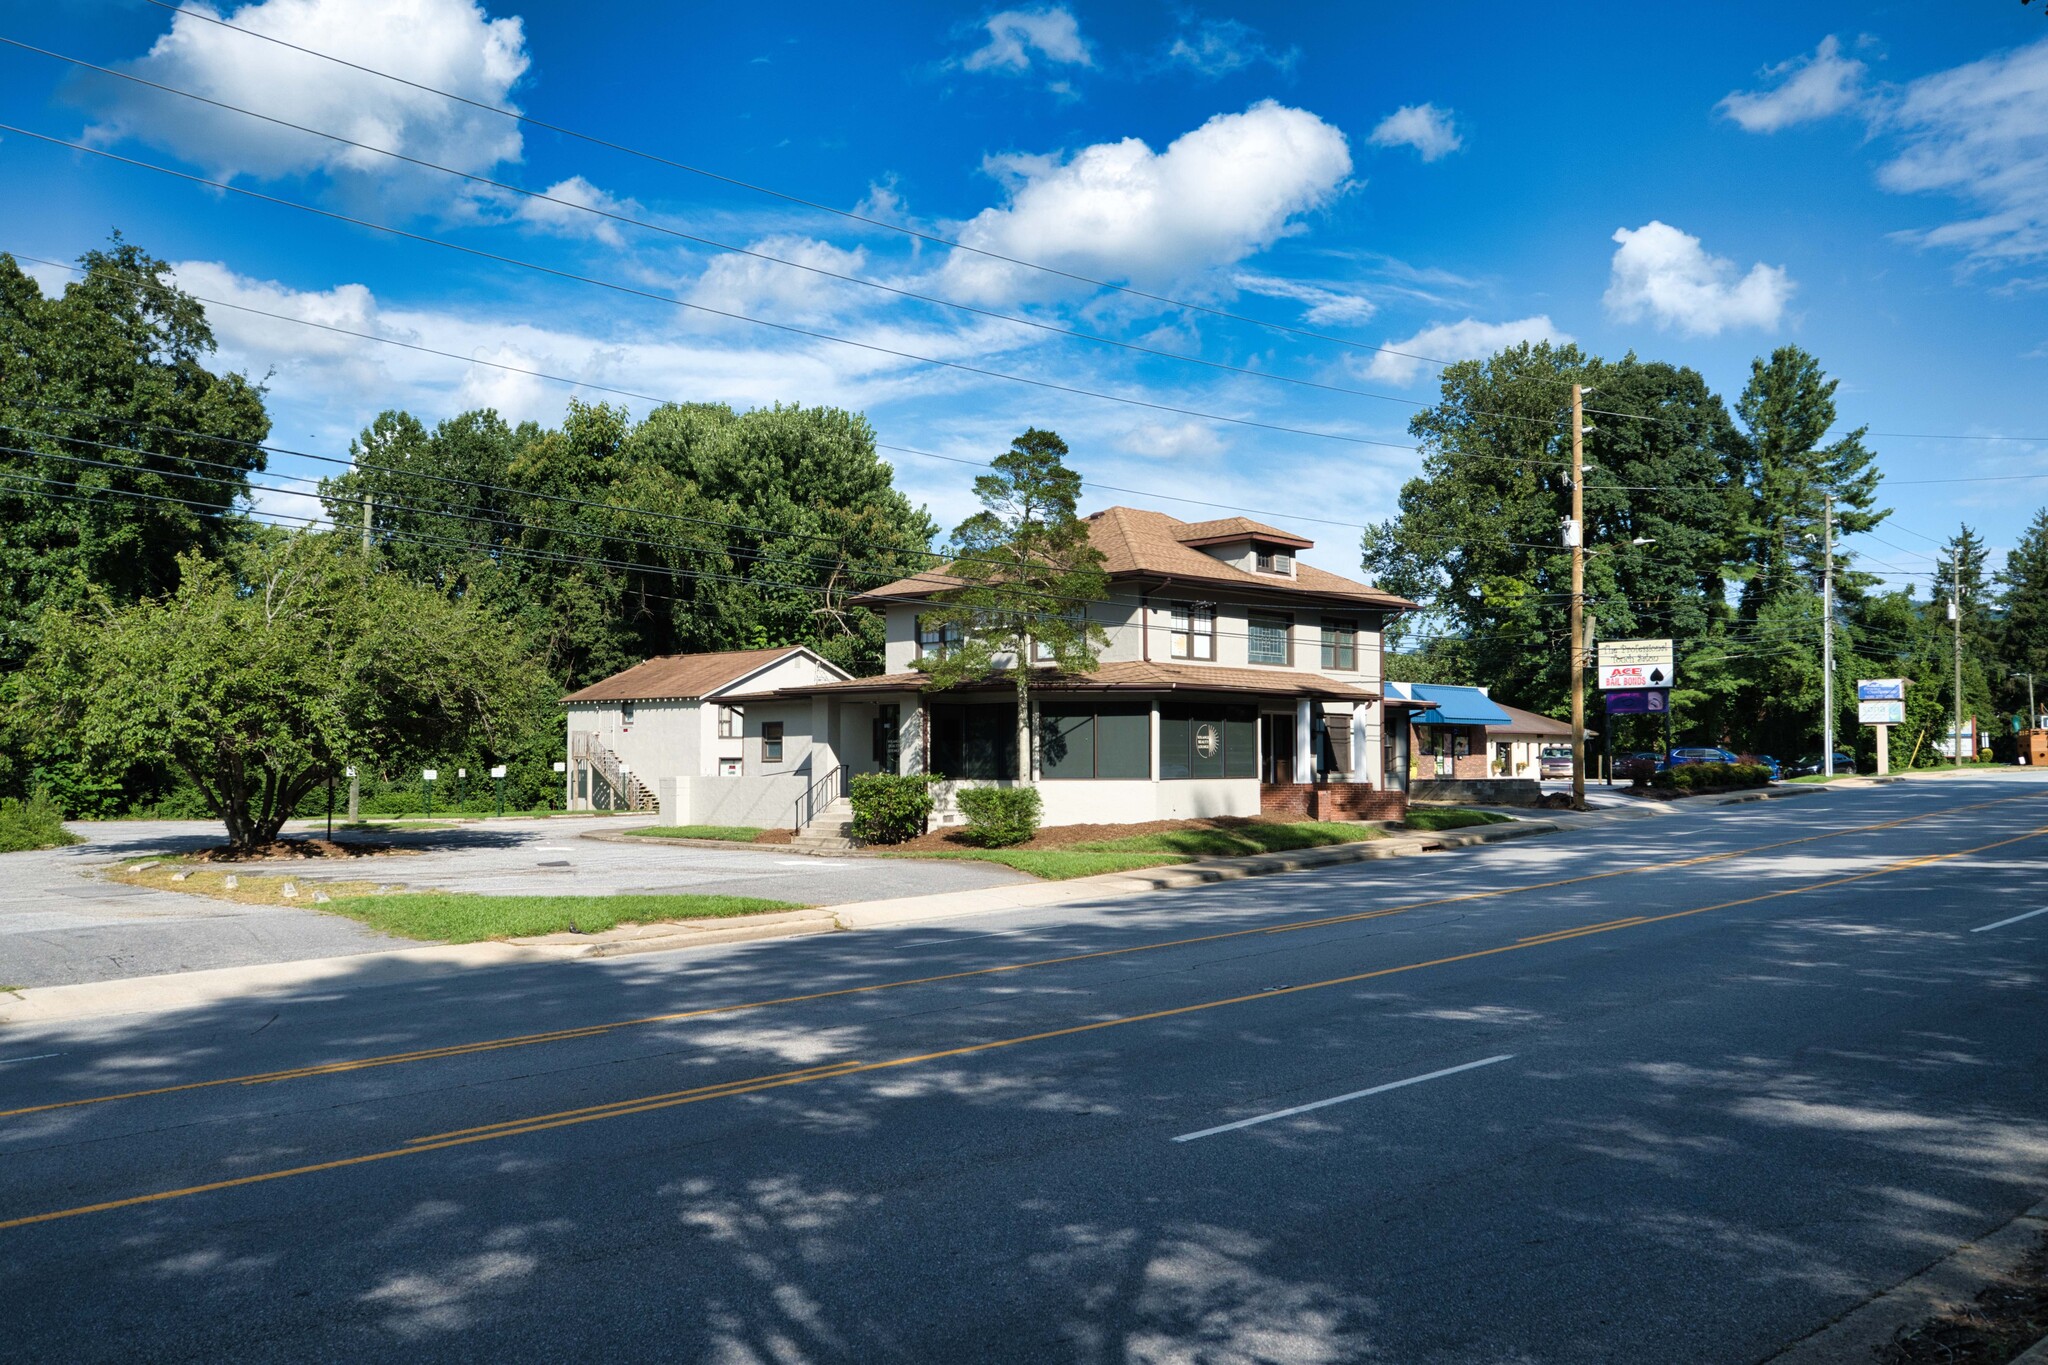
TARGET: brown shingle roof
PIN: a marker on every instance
(1132, 676)
(680, 677)
(1140, 544)
(1237, 528)
(1529, 723)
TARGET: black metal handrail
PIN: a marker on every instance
(819, 795)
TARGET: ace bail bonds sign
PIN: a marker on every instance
(1635, 665)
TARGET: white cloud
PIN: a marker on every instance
(1171, 440)
(450, 44)
(1119, 209)
(1426, 128)
(1467, 340)
(1979, 132)
(564, 221)
(1326, 307)
(747, 284)
(1665, 275)
(1805, 89)
(1015, 34)
(1217, 47)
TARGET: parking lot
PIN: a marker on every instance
(62, 920)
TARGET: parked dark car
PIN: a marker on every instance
(1701, 755)
(1657, 761)
(1807, 767)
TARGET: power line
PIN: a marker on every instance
(883, 224)
(635, 291)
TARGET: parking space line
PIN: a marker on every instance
(1342, 1099)
(2014, 920)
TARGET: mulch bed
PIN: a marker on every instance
(289, 850)
(2006, 1319)
(775, 836)
(1066, 836)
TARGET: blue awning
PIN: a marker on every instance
(1457, 706)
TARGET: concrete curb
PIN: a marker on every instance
(1952, 1282)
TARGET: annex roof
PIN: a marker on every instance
(1133, 676)
(1457, 706)
(1139, 544)
(689, 677)
(1522, 722)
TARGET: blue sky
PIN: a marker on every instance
(1694, 183)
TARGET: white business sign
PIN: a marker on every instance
(498, 771)
(1881, 713)
(1635, 665)
(431, 774)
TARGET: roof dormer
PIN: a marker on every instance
(1246, 544)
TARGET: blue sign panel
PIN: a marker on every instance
(1645, 702)
(1881, 689)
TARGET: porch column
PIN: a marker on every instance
(824, 737)
(1155, 739)
(1304, 742)
(1365, 747)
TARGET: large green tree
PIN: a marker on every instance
(259, 682)
(2023, 634)
(1026, 574)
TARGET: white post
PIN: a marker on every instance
(1884, 750)
(1304, 742)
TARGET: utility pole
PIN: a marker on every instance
(1575, 537)
(1955, 616)
(1827, 636)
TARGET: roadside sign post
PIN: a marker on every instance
(498, 776)
(1635, 680)
(460, 774)
(427, 778)
(561, 770)
(1881, 704)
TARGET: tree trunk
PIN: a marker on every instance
(1023, 726)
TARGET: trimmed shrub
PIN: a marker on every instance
(998, 817)
(890, 807)
(34, 823)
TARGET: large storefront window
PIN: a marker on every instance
(1208, 741)
(1095, 740)
(974, 742)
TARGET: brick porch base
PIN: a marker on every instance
(1330, 801)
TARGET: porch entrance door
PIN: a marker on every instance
(1276, 749)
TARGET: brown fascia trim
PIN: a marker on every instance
(1251, 538)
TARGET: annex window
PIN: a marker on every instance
(771, 741)
(1208, 741)
(1194, 630)
(973, 742)
(1340, 645)
(1272, 559)
(729, 721)
(1095, 740)
(936, 639)
(625, 717)
(1269, 638)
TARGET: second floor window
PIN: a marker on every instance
(1194, 630)
(728, 722)
(936, 639)
(1274, 560)
(1340, 646)
(1269, 639)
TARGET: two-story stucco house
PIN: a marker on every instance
(1237, 680)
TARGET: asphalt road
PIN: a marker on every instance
(1725, 1075)
(63, 921)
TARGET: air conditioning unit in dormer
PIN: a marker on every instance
(1276, 561)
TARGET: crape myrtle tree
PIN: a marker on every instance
(261, 677)
(1026, 573)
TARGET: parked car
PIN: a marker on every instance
(1777, 769)
(1556, 760)
(1649, 756)
(1701, 755)
(1807, 767)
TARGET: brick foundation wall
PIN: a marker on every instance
(1330, 801)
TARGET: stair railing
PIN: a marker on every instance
(821, 794)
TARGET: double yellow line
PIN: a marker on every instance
(678, 1016)
(643, 1104)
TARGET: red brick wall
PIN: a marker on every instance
(1476, 764)
(1330, 801)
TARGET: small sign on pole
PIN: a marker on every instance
(1636, 665)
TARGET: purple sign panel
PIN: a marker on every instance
(1647, 702)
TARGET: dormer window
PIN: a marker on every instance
(1273, 559)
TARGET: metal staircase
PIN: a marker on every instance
(616, 788)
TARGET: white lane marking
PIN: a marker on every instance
(2014, 920)
(1342, 1099)
(10, 1061)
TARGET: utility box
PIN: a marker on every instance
(2034, 748)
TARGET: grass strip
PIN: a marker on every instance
(1050, 864)
(1257, 836)
(738, 834)
(456, 917)
(1454, 818)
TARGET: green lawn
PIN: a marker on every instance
(1160, 849)
(741, 834)
(451, 917)
(1418, 818)
(1051, 864)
